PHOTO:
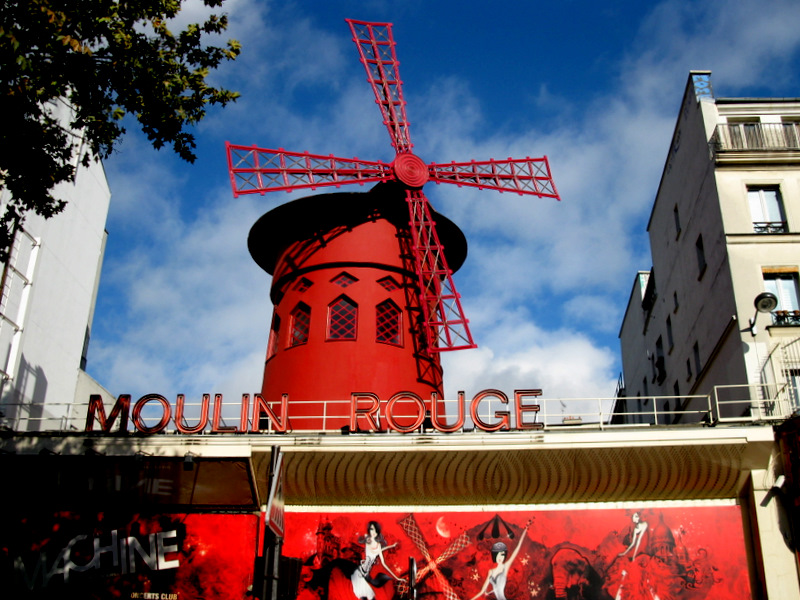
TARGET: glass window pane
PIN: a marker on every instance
(342, 320)
(301, 324)
(388, 323)
(787, 293)
(784, 286)
(756, 210)
(772, 207)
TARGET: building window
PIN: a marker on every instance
(696, 353)
(387, 323)
(344, 280)
(670, 340)
(766, 208)
(302, 285)
(701, 256)
(675, 303)
(677, 217)
(300, 325)
(389, 284)
(342, 319)
(274, 331)
(785, 287)
(660, 366)
(688, 369)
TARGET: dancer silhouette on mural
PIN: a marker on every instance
(637, 533)
(498, 575)
(374, 545)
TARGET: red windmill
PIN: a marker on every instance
(259, 170)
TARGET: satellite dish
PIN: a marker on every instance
(766, 302)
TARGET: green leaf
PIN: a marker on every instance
(108, 59)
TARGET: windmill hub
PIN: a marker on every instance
(410, 170)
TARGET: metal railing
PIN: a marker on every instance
(27, 416)
(755, 403)
(727, 404)
(786, 318)
(770, 227)
(756, 136)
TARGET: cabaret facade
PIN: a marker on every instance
(350, 475)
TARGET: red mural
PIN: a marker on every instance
(105, 555)
(662, 553)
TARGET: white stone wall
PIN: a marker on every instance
(58, 305)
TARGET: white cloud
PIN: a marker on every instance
(517, 355)
(193, 306)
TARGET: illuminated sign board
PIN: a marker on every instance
(367, 413)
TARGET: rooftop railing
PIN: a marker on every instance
(728, 404)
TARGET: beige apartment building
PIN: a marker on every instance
(724, 231)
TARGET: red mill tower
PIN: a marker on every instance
(347, 318)
(362, 285)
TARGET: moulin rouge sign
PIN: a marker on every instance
(367, 413)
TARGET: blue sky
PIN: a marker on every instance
(182, 307)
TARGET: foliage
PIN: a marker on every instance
(102, 60)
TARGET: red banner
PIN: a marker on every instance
(667, 553)
(96, 555)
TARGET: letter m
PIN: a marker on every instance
(121, 409)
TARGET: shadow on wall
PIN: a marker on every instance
(23, 401)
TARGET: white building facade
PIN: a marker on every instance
(49, 286)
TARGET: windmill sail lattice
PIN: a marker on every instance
(431, 566)
(255, 170)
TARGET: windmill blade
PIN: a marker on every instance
(523, 176)
(410, 526)
(447, 591)
(259, 170)
(446, 327)
(376, 47)
(456, 546)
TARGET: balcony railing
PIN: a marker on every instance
(770, 227)
(733, 404)
(786, 318)
(756, 136)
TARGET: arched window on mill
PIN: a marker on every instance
(388, 323)
(300, 324)
(342, 319)
(274, 332)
